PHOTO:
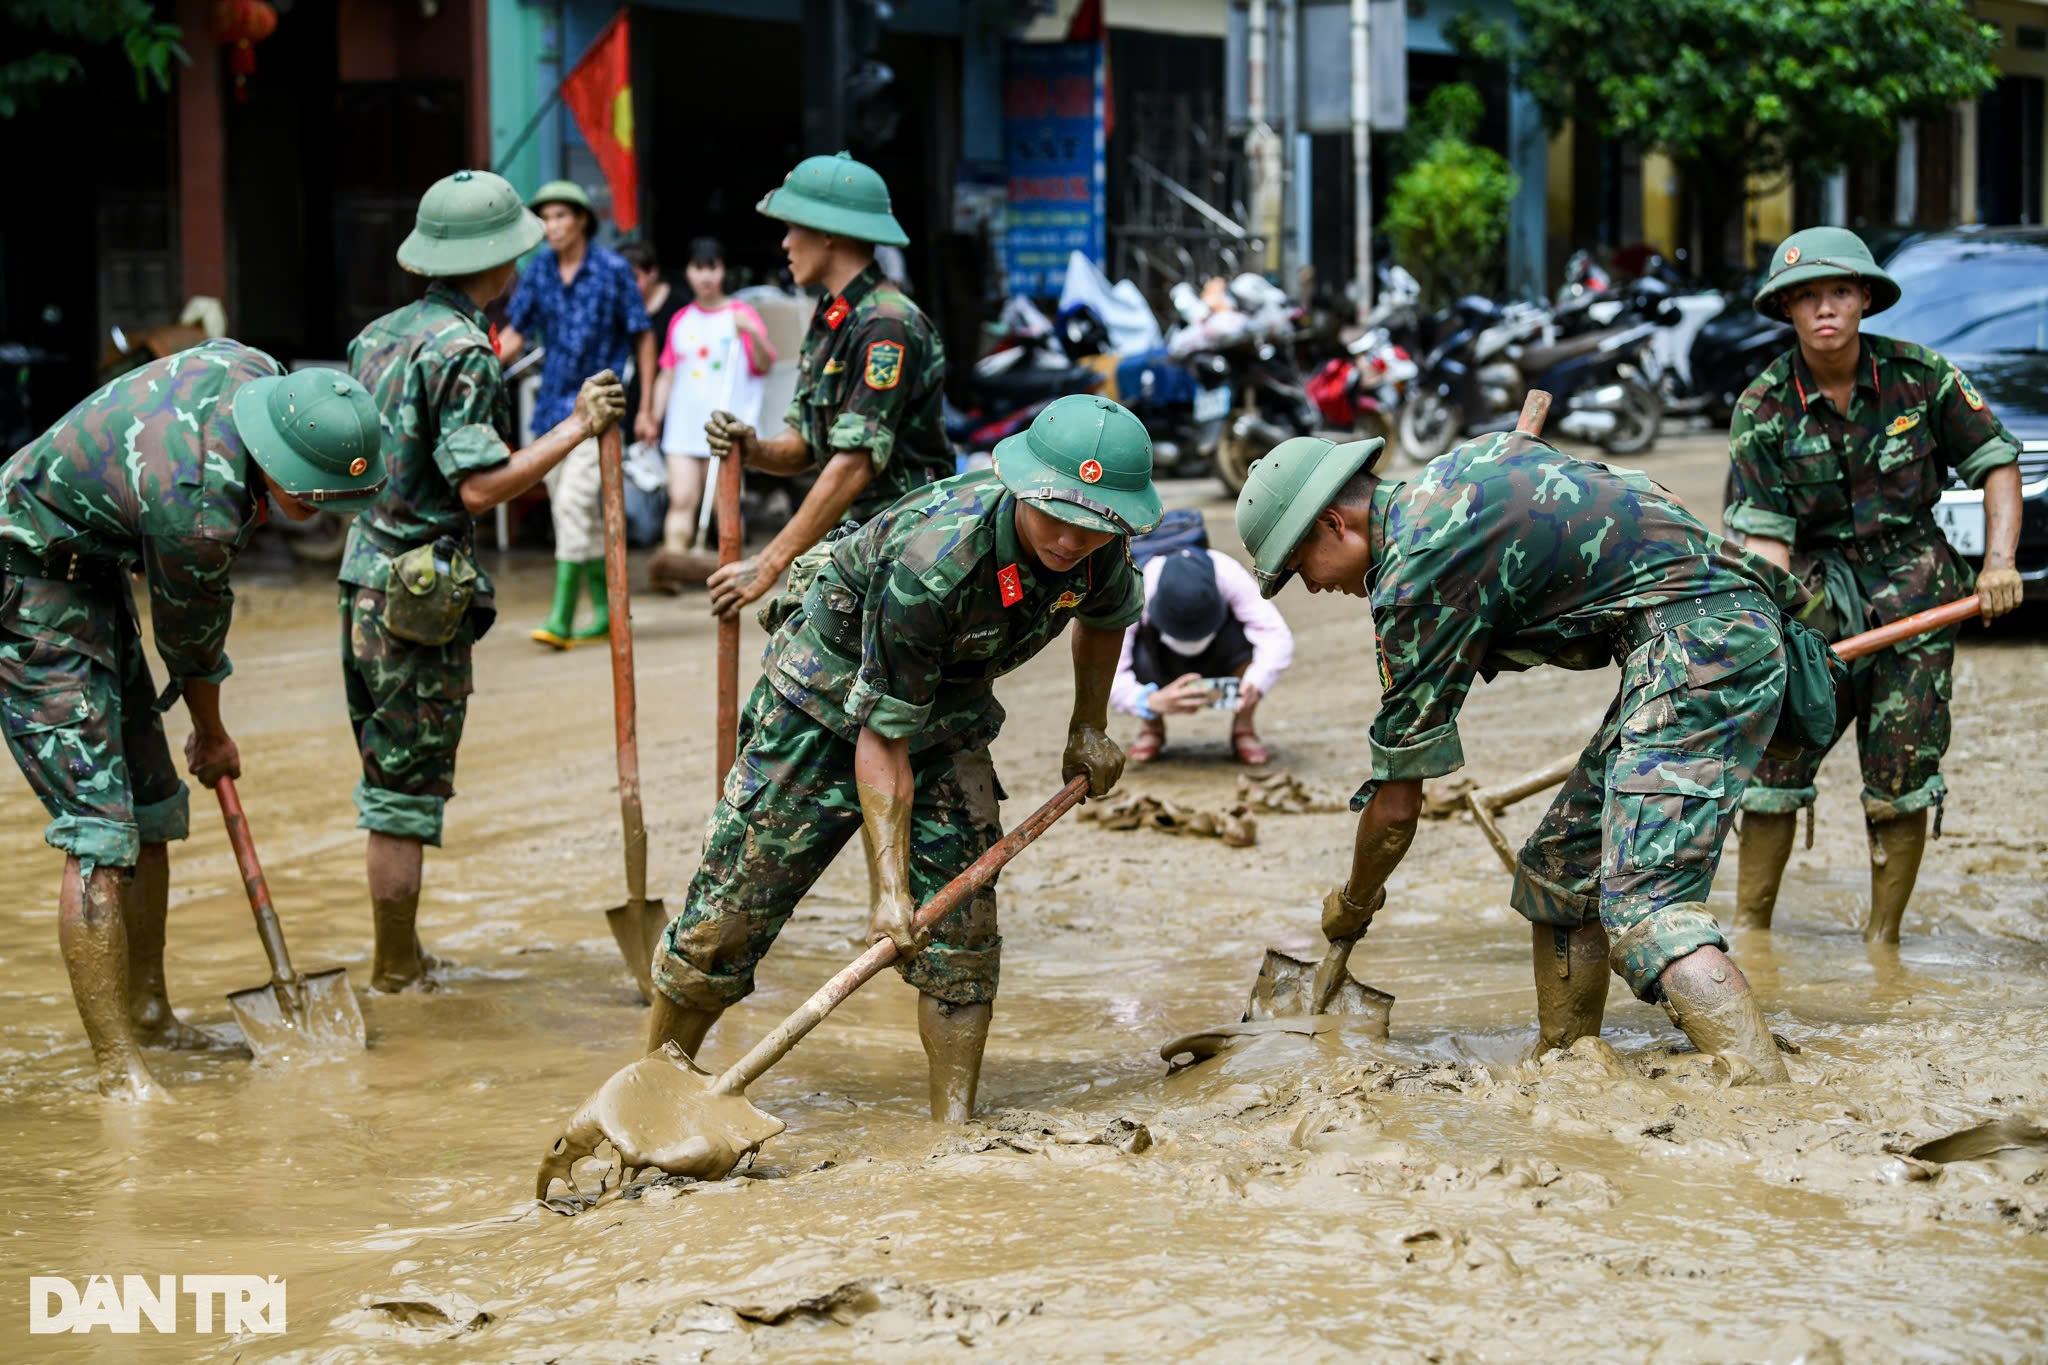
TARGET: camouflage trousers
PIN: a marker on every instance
(80, 717)
(406, 703)
(1635, 834)
(1898, 701)
(788, 807)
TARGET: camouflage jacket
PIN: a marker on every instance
(446, 413)
(1851, 492)
(151, 470)
(912, 618)
(1507, 553)
(871, 377)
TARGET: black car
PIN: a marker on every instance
(1980, 297)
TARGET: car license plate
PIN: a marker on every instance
(1211, 404)
(1963, 524)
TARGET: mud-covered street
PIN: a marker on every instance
(1439, 1196)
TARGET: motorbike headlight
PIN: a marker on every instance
(1211, 370)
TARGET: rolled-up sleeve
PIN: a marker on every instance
(1117, 598)
(190, 606)
(1271, 641)
(1759, 506)
(466, 439)
(904, 630)
(1429, 656)
(1972, 437)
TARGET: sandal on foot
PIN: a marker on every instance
(1248, 748)
(1151, 739)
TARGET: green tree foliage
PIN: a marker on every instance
(1448, 211)
(1768, 85)
(49, 35)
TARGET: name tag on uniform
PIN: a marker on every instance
(1903, 423)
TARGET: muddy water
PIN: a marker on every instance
(1434, 1195)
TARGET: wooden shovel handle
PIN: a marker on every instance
(731, 545)
(268, 928)
(1919, 623)
(855, 974)
(611, 468)
(1535, 408)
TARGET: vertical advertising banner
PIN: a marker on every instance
(1053, 149)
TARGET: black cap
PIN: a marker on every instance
(1187, 605)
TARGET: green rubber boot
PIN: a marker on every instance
(600, 626)
(554, 632)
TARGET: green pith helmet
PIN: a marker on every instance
(836, 194)
(1084, 460)
(562, 192)
(315, 434)
(468, 221)
(1824, 253)
(1287, 489)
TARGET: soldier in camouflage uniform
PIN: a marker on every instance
(166, 471)
(1505, 554)
(875, 713)
(868, 413)
(1840, 449)
(447, 423)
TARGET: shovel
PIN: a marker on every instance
(731, 545)
(665, 1111)
(291, 1013)
(1287, 986)
(1488, 802)
(639, 922)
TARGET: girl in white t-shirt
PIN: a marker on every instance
(715, 356)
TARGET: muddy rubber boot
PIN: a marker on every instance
(683, 1025)
(953, 1037)
(600, 626)
(1571, 982)
(554, 632)
(1709, 999)
(1766, 839)
(1900, 843)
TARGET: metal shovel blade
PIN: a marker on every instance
(1286, 988)
(637, 927)
(314, 1013)
(664, 1110)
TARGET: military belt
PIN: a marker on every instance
(1881, 545)
(392, 546)
(61, 566)
(1640, 627)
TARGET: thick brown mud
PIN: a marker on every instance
(1438, 1194)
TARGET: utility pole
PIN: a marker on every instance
(1361, 150)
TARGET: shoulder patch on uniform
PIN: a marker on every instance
(1904, 422)
(1968, 390)
(884, 365)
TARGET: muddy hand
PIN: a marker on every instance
(1345, 918)
(1999, 591)
(724, 433)
(660, 1112)
(212, 757)
(601, 402)
(734, 585)
(891, 920)
(1093, 752)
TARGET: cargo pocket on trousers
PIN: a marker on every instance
(1664, 811)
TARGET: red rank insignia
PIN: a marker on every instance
(836, 314)
(497, 348)
(1009, 585)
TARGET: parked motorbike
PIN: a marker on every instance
(1362, 390)
(1731, 350)
(1474, 381)
(1589, 300)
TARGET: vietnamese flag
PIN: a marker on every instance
(599, 92)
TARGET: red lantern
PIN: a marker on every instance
(240, 25)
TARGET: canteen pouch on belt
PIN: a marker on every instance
(1814, 680)
(431, 589)
(803, 571)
